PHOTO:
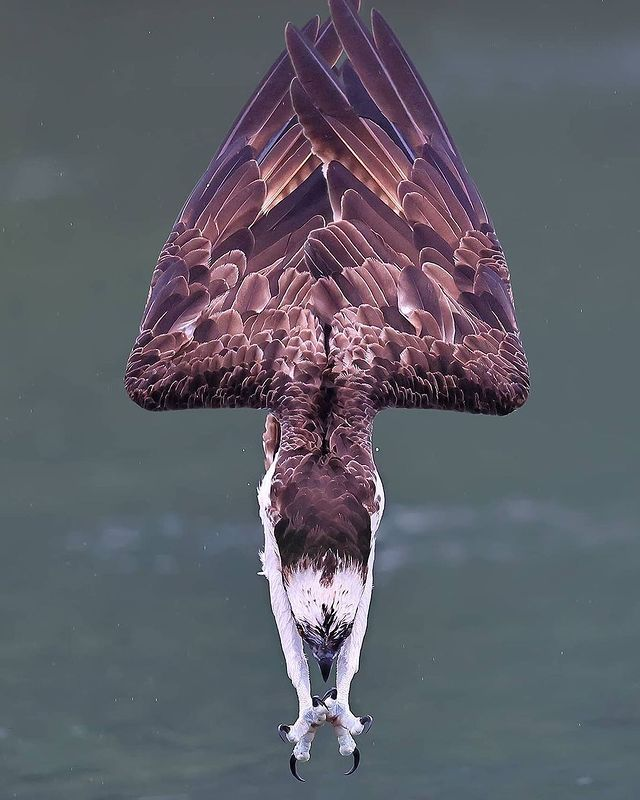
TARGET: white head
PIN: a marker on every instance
(316, 595)
(324, 597)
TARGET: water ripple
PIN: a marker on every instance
(508, 531)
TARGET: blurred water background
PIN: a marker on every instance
(138, 655)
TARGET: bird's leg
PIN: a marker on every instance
(311, 710)
(312, 714)
(345, 724)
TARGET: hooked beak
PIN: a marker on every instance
(325, 656)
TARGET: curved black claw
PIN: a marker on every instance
(356, 762)
(367, 721)
(293, 766)
(318, 701)
(332, 693)
(283, 730)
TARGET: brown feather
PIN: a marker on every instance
(380, 277)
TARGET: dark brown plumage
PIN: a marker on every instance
(334, 259)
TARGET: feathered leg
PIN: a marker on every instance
(346, 725)
(311, 710)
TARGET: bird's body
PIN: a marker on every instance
(334, 260)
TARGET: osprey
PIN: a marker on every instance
(334, 260)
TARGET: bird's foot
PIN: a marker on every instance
(346, 725)
(303, 731)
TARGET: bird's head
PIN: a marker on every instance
(324, 598)
(323, 536)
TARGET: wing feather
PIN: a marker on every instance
(427, 224)
(260, 195)
(335, 233)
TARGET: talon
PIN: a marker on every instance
(283, 730)
(318, 701)
(332, 693)
(356, 762)
(293, 766)
(367, 722)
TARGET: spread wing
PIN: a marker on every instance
(414, 281)
(227, 321)
(335, 237)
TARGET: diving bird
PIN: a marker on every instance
(334, 260)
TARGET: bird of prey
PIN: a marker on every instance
(334, 260)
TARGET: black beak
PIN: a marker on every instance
(325, 654)
(326, 662)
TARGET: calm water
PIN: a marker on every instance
(138, 655)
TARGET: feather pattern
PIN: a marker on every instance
(394, 222)
(334, 259)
